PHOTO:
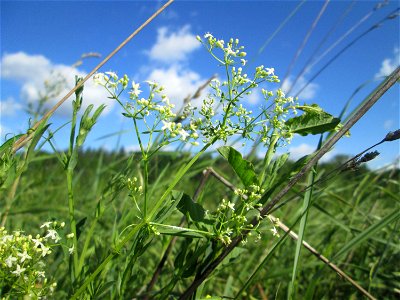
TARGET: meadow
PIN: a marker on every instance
(202, 221)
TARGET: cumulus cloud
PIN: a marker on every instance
(389, 64)
(308, 93)
(34, 72)
(297, 152)
(173, 47)
(9, 107)
(178, 82)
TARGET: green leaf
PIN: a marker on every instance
(79, 227)
(9, 143)
(243, 168)
(313, 121)
(35, 140)
(180, 231)
(187, 206)
(169, 206)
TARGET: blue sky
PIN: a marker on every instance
(40, 38)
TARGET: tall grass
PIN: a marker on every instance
(189, 225)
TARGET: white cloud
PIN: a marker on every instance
(178, 82)
(307, 94)
(3, 131)
(388, 124)
(299, 151)
(254, 98)
(389, 64)
(32, 71)
(9, 107)
(303, 149)
(172, 47)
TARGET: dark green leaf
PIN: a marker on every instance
(313, 121)
(187, 206)
(243, 168)
(79, 227)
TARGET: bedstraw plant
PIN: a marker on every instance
(113, 269)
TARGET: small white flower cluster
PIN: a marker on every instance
(231, 50)
(156, 104)
(236, 119)
(283, 106)
(133, 186)
(22, 260)
(111, 81)
(275, 222)
(232, 217)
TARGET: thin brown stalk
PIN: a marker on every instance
(305, 40)
(27, 137)
(371, 100)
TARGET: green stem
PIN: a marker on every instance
(145, 160)
(177, 178)
(72, 221)
(268, 156)
(72, 157)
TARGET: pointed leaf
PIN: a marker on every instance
(243, 168)
(313, 121)
(187, 206)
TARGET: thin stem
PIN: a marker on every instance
(145, 160)
(72, 221)
(177, 178)
(268, 156)
(200, 187)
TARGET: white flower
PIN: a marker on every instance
(9, 261)
(270, 71)
(19, 270)
(151, 83)
(231, 205)
(45, 251)
(98, 78)
(24, 256)
(167, 125)
(274, 231)
(184, 134)
(41, 274)
(38, 243)
(208, 35)
(243, 61)
(113, 75)
(135, 89)
(71, 250)
(46, 224)
(70, 235)
(6, 238)
(51, 233)
(229, 51)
